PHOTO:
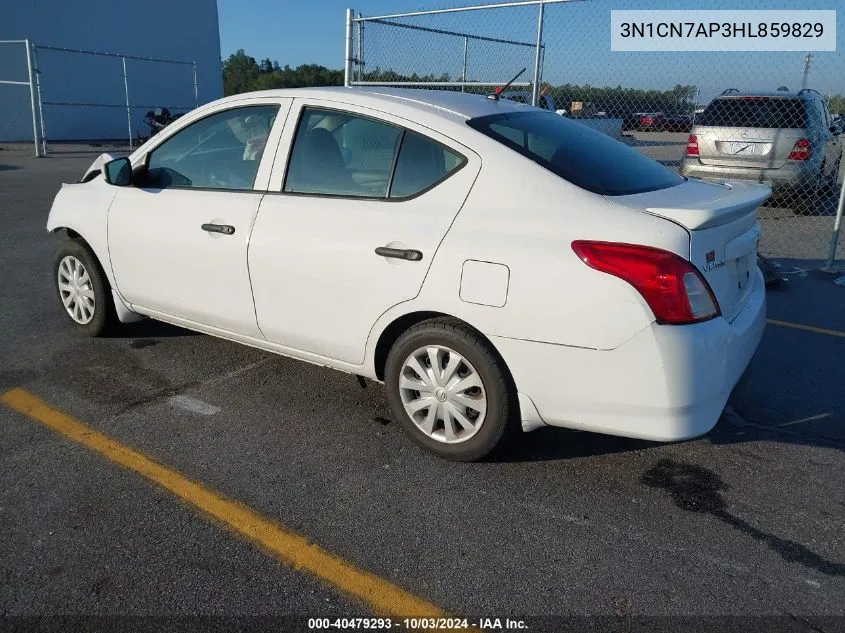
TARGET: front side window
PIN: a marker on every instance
(586, 158)
(342, 154)
(221, 151)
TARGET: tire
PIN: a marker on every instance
(82, 289)
(477, 362)
(828, 185)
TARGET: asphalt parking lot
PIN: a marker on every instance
(746, 521)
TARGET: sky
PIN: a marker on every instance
(576, 38)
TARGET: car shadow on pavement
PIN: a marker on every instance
(551, 444)
(148, 329)
(548, 444)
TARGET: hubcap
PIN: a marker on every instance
(76, 290)
(443, 394)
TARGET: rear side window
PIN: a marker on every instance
(422, 164)
(760, 112)
(577, 153)
(344, 154)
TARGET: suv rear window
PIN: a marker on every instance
(761, 112)
(577, 153)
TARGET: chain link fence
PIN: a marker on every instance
(72, 94)
(721, 115)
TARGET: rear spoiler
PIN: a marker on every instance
(741, 198)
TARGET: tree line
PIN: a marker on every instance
(242, 73)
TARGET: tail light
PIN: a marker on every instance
(646, 120)
(673, 288)
(802, 150)
(692, 145)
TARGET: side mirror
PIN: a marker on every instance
(118, 172)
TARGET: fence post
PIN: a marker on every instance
(466, 52)
(40, 104)
(31, 75)
(347, 66)
(535, 94)
(837, 225)
(196, 85)
(357, 70)
(361, 65)
(128, 107)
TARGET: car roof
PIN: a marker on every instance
(443, 103)
(780, 93)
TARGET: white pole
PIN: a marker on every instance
(361, 66)
(837, 225)
(535, 96)
(347, 66)
(358, 53)
(466, 51)
(31, 75)
(40, 104)
(808, 59)
(196, 85)
(128, 106)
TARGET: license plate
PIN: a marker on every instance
(742, 148)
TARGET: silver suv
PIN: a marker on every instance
(785, 139)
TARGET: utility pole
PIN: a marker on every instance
(808, 59)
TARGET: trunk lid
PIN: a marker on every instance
(722, 222)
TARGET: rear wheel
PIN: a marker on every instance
(449, 390)
(82, 289)
(828, 185)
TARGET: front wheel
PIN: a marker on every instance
(82, 289)
(449, 390)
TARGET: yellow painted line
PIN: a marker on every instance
(807, 328)
(382, 596)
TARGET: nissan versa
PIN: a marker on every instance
(497, 266)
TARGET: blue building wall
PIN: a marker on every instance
(184, 30)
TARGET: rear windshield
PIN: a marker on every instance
(577, 153)
(765, 112)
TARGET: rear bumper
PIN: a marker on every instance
(790, 176)
(666, 383)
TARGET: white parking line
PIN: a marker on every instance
(820, 416)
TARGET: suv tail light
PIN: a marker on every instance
(692, 145)
(646, 120)
(673, 288)
(802, 150)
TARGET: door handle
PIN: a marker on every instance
(400, 253)
(225, 229)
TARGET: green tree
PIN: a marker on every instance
(240, 72)
(837, 104)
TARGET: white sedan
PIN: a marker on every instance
(497, 266)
